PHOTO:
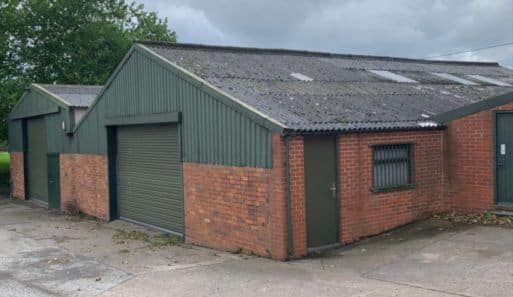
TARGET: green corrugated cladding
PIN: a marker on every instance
(211, 131)
(36, 104)
(57, 140)
(15, 136)
(33, 103)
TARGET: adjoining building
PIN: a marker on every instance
(281, 152)
(38, 126)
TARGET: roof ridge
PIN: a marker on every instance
(70, 85)
(309, 53)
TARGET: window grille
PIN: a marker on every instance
(392, 166)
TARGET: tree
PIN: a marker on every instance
(67, 41)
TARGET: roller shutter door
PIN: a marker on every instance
(36, 160)
(150, 189)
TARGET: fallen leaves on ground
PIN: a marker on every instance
(484, 218)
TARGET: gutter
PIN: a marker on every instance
(338, 131)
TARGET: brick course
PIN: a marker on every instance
(363, 212)
(245, 208)
(297, 193)
(17, 176)
(278, 227)
(237, 208)
(469, 149)
(84, 181)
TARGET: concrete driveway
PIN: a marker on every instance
(44, 253)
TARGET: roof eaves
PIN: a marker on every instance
(63, 94)
(61, 101)
(363, 130)
(361, 127)
(205, 84)
(474, 108)
(72, 85)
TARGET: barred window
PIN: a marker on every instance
(392, 166)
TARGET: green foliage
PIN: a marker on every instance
(71, 42)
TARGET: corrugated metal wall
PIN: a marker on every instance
(15, 136)
(35, 104)
(211, 131)
(57, 140)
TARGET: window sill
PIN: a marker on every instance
(391, 189)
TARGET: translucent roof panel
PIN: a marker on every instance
(301, 76)
(393, 76)
(489, 80)
(454, 78)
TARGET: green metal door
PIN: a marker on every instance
(320, 160)
(150, 189)
(36, 159)
(54, 188)
(504, 158)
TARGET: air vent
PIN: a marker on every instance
(393, 76)
(489, 80)
(301, 76)
(454, 78)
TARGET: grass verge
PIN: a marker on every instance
(4, 168)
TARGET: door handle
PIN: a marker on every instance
(333, 190)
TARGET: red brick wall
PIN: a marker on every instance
(232, 208)
(364, 212)
(278, 225)
(297, 193)
(84, 181)
(17, 175)
(238, 208)
(469, 148)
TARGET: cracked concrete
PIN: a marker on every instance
(45, 253)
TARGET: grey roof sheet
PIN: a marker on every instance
(342, 91)
(75, 95)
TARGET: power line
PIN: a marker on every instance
(471, 50)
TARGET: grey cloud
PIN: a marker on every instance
(408, 28)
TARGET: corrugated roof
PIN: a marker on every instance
(75, 95)
(343, 93)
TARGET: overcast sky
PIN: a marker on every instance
(404, 28)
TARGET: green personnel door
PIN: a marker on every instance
(504, 158)
(320, 161)
(149, 176)
(36, 160)
(54, 185)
